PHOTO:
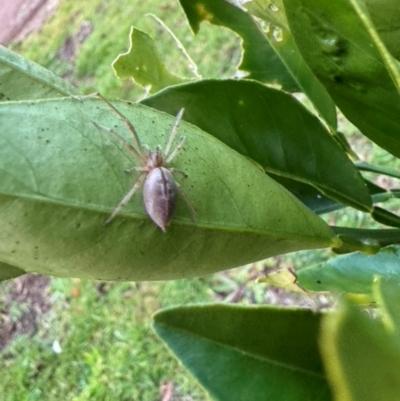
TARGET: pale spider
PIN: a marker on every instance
(160, 188)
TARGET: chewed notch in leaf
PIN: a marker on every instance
(143, 63)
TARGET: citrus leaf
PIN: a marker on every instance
(21, 79)
(353, 273)
(273, 129)
(247, 353)
(280, 39)
(361, 354)
(273, 12)
(309, 195)
(386, 217)
(61, 177)
(259, 59)
(351, 64)
(143, 63)
(8, 272)
(385, 16)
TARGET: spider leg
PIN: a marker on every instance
(180, 172)
(125, 121)
(173, 132)
(127, 145)
(137, 169)
(176, 150)
(126, 198)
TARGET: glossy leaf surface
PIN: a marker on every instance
(61, 177)
(340, 45)
(385, 16)
(248, 353)
(259, 59)
(279, 37)
(273, 129)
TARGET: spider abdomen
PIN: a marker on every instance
(159, 196)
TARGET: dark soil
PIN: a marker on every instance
(22, 303)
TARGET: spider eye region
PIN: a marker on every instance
(159, 196)
(154, 160)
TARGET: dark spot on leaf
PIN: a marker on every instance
(2, 95)
(47, 141)
(318, 282)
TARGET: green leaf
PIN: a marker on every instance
(259, 59)
(8, 272)
(281, 41)
(346, 57)
(273, 12)
(364, 166)
(386, 293)
(383, 216)
(361, 354)
(392, 65)
(272, 128)
(60, 178)
(143, 63)
(21, 79)
(248, 353)
(353, 273)
(385, 16)
(309, 195)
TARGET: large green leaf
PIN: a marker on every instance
(361, 354)
(385, 16)
(273, 129)
(265, 59)
(60, 178)
(352, 273)
(280, 39)
(143, 63)
(248, 353)
(21, 79)
(339, 43)
(259, 59)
